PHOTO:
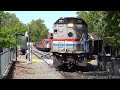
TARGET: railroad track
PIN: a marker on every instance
(39, 55)
(87, 75)
(75, 74)
(65, 75)
(72, 75)
(43, 55)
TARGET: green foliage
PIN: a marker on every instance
(9, 27)
(104, 23)
(38, 30)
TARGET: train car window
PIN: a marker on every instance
(55, 31)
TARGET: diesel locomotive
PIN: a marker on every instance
(67, 46)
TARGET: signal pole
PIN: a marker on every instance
(29, 44)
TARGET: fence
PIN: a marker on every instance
(6, 60)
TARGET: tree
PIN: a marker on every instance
(9, 27)
(104, 23)
(38, 30)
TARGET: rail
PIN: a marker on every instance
(6, 60)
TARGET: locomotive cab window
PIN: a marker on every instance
(61, 21)
(55, 31)
(79, 21)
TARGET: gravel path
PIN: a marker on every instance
(34, 70)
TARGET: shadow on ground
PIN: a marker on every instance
(89, 68)
(10, 74)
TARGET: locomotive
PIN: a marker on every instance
(67, 46)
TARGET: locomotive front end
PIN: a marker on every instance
(67, 46)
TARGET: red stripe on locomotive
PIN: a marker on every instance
(67, 39)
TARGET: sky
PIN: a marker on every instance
(49, 17)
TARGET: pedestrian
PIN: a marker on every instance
(27, 53)
(19, 50)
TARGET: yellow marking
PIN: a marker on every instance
(91, 61)
(35, 60)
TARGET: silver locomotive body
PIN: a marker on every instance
(67, 46)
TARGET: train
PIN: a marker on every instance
(45, 44)
(67, 46)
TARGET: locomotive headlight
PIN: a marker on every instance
(70, 25)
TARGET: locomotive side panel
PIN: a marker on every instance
(58, 37)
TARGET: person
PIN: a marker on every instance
(27, 52)
(85, 41)
(19, 50)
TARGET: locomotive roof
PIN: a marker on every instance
(68, 19)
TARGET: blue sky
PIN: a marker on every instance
(49, 17)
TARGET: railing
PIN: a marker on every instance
(6, 59)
